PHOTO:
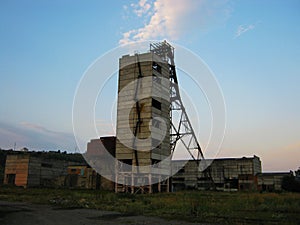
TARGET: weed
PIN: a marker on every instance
(195, 206)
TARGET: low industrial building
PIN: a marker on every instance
(56, 169)
(82, 176)
(28, 170)
(85, 177)
(271, 181)
(230, 174)
(44, 169)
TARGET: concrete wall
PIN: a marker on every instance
(128, 73)
(32, 171)
(87, 178)
(100, 156)
(100, 145)
(16, 169)
(44, 172)
(227, 173)
(271, 181)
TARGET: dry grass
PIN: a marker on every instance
(211, 207)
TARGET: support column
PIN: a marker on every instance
(116, 182)
(168, 185)
(132, 183)
(159, 184)
(150, 185)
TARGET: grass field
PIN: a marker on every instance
(193, 206)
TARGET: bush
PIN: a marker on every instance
(290, 184)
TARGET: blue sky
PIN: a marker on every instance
(251, 46)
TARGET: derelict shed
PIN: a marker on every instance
(27, 170)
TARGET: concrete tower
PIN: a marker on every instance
(143, 124)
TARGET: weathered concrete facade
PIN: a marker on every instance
(32, 171)
(98, 146)
(143, 98)
(271, 181)
(226, 173)
(100, 156)
(86, 177)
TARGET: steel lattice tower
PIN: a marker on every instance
(184, 127)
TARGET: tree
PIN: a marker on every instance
(297, 172)
(289, 183)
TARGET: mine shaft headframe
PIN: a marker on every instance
(164, 50)
(184, 129)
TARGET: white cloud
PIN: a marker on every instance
(243, 29)
(171, 19)
(34, 137)
(37, 127)
(46, 137)
(141, 8)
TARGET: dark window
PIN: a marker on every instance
(11, 178)
(178, 178)
(154, 161)
(73, 170)
(156, 67)
(128, 167)
(46, 165)
(126, 161)
(156, 104)
(181, 170)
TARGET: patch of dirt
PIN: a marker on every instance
(14, 213)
